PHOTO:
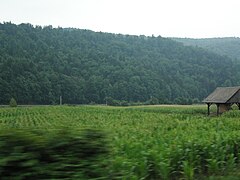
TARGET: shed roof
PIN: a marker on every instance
(222, 94)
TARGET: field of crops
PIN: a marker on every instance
(151, 142)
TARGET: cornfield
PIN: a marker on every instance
(146, 142)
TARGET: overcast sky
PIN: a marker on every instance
(167, 18)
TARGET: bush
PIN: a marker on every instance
(183, 101)
(13, 102)
(196, 101)
(60, 155)
(112, 102)
(153, 101)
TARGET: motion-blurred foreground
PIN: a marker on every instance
(147, 142)
(57, 155)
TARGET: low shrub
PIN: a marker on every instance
(13, 102)
(59, 155)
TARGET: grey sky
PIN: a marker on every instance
(168, 18)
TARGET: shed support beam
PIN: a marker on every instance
(238, 104)
(208, 112)
(218, 109)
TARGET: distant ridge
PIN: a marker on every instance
(40, 64)
(228, 46)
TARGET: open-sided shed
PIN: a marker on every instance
(224, 98)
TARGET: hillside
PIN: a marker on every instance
(39, 64)
(224, 46)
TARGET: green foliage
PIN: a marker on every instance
(196, 101)
(229, 46)
(13, 102)
(183, 101)
(63, 154)
(232, 114)
(112, 102)
(153, 101)
(147, 142)
(188, 171)
(39, 64)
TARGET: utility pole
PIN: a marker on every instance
(60, 100)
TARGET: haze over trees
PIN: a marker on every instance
(224, 46)
(39, 64)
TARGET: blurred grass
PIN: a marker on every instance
(145, 142)
(57, 155)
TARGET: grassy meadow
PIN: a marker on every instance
(145, 142)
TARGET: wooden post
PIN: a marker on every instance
(238, 104)
(208, 104)
(217, 109)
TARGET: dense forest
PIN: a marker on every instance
(224, 46)
(39, 64)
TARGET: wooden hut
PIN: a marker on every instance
(224, 98)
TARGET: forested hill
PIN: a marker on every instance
(223, 46)
(39, 64)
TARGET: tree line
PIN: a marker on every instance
(228, 46)
(40, 64)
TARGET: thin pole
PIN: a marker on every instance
(217, 109)
(60, 100)
(208, 104)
